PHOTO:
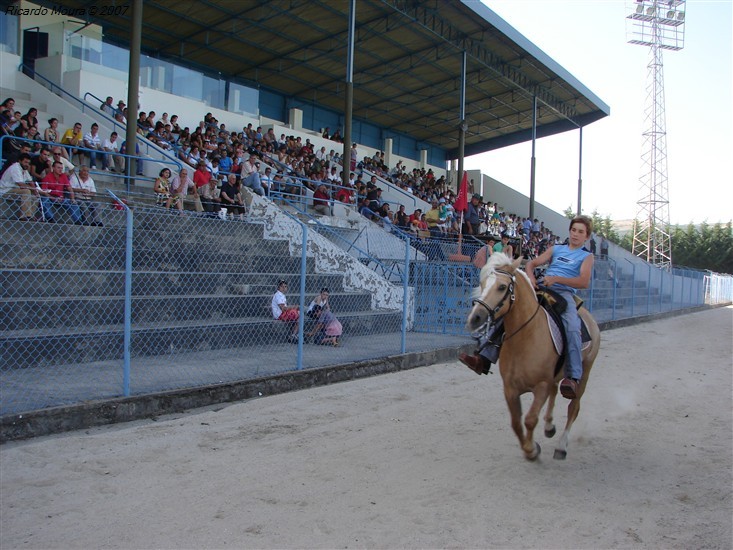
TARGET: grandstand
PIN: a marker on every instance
(154, 301)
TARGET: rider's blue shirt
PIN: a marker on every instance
(566, 263)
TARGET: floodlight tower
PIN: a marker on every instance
(659, 24)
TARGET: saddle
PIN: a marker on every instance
(554, 306)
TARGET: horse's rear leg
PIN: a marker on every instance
(561, 451)
(549, 420)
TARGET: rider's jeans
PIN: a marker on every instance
(571, 321)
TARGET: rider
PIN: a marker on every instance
(570, 269)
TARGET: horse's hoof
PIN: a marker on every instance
(535, 455)
(551, 432)
(560, 454)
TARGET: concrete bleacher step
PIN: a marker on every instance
(56, 347)
(25, 283)
(23, 314)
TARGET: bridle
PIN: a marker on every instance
(509, 294)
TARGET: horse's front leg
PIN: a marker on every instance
(515, 412)
(530, 447)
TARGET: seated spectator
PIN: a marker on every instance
(34, 137)
(266, 181)
(94, 142)
(142, 123)
(432, 217)
(56, 191)
(111, 160)
(281, 311)
(30, 117)
(386, 215)
(85, 191)
(107, 106)
(121, 112)
(367, 212)
(17, 183)
(327, 329)
(41, 165)
(52, 132)
(57, 154)
(402, 220)
(202, 175)
(345, 194)
(321, 300)
(162, 188)
(250, 174)
(14, 155)
(504, 246)
(179, 189)
(210, 198)
(230, 196)
(73, 138)
(225, 164)
(321, 200)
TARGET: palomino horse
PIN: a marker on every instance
(528, 358)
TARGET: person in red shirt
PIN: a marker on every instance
(57, 191)
(201, 177)
(321, 200)
(345, 194)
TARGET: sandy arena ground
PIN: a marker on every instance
(417, 459)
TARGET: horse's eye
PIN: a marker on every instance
(502, 287)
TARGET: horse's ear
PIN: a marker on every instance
(516, 263)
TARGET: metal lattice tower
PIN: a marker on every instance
(659, 24)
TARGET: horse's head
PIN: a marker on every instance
(495, 294)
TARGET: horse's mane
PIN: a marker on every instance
(498, 260)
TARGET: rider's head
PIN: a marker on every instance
(585, 220)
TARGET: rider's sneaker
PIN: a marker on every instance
(477, 363)
(569, 388)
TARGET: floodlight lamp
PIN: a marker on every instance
(670, 14)
(640, 8)
(681, 16)
(650, 10)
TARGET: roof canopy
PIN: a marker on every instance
(407, 62)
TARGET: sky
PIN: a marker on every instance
(589, 39)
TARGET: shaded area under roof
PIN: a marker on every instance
(407, 62)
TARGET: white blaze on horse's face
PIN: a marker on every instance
(493, 288)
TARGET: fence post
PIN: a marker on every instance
(615, 283)
(301, 305)
(127, 331)
(405, 290)
(649, 291)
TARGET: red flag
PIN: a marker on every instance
(461, 203)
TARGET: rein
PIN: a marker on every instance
(508, 294)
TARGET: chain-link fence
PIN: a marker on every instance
(155, 300)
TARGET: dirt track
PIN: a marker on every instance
(418, 459)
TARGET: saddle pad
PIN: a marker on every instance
(557, 335)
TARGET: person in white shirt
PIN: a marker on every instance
(17, 183)
(111, 147)
(281, 311)
(94, 142)
(58, 156)
(85, 192)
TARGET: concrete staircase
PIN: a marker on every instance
(198, 284)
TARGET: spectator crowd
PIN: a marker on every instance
(218, 162)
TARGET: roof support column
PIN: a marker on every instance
(462, 126)
(133, 87)
(580, 171)
(349, 107)
(534, 160)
